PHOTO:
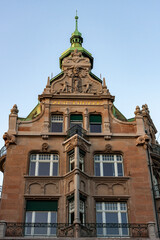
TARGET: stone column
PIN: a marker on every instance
(151, 230)
(66, 119)
(86, 119)
(2, 229)
(76, 193)
(46, 123)
(139, 121)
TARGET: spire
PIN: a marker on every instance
(76, 39)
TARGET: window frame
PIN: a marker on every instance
(71, 210)
(60, 119)
(115, 163)
(35, 168)
(119, 211)
(76, 122)
(98, 123)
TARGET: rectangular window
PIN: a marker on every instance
(57, 123)
(72, 160)
(81, 211)
(95, 122)
(43, 165)
(41, 218)
(76, 119)
(108, 165)
(111, 218)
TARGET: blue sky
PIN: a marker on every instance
(122, 35)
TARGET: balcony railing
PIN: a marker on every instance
(68, 230)
(3, 151)
(76, 129)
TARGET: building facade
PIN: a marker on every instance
(76, 167)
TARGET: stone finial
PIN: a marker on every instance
(104, 83)
(145, 109)
(14, 110)
(48, 82)
(137, 111)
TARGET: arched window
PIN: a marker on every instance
(44, 164)
(108, 165)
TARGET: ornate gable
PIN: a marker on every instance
(76, 79)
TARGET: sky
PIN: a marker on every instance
(122, 35)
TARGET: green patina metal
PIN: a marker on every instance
(120, 116)
(76, 41)
(33, 114)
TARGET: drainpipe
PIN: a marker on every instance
(76, 194)
(153, 192)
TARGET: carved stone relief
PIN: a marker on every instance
(143, 141)
(9, 139)
(76, 78)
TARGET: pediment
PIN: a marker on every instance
(76, 79)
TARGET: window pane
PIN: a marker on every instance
(28, 220)
(97, 169)
(55, 169)
(57, 127)
(99, 220)
(124, 220)
(112, 218)
(95, 128)
(53, 220)
(44, 168)
(108, 169)
(32, 169)
(41, 217)
(120, 169)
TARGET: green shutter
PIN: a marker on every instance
(95, 119)
(41, 206)
(76, 117)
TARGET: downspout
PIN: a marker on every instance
(153, 192)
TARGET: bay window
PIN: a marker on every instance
(111, 218)
(43, 164)
(81, 211)
(108, 165)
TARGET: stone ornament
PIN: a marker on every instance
(143, 141)
(108, 148)
(9, 139)
(137, 111)
(14, 110)
(76, 78)
(45, 147)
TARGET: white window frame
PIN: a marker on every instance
(72, 160)
(52, 158)
(57, 118)
(112, 209)
(72, 209)
(113, 158)
(33, 221)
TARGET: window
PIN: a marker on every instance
(109, 213)
(95, 122)
(72, 160)
(43, 165)
(41, 218)
(108, 165)
(76, 119)
(81, 211)
(57, 123)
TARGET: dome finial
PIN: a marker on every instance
(76, 17)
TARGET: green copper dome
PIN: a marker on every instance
(76, 41)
